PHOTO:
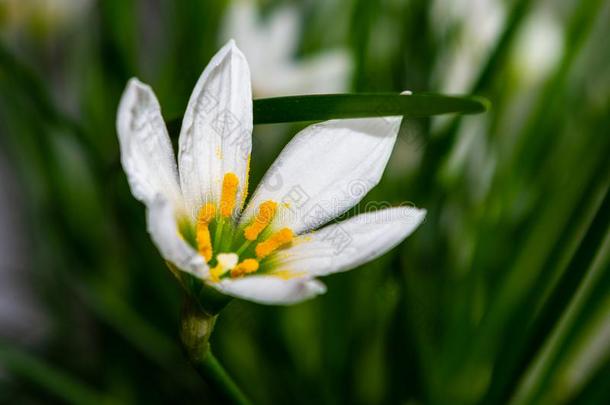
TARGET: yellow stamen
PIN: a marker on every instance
(246, 183)
(286, 274)
(265, 214)
(215, 273)
(204, 240)
(245, 267)
(275, 241)
(226, 262)
(229, 194)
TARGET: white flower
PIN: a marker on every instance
(270, 253)
(472, 27)
(538, 47)
(270, 47)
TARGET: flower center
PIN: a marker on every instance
(233, 251)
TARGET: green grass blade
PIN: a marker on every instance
(40, 373)
(322, 107)
(330, 106)
(579, 267)
(596, 389)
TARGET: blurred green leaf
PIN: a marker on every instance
(57, 382)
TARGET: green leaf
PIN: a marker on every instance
(55, 381)
(329, 106)
(322, 107)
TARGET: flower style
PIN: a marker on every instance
(270, 252)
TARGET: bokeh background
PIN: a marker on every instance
(501, 296)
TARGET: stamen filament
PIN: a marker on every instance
(218, 234)
(243, 247)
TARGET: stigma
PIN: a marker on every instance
(226, 262)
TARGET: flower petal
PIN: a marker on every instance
(348, 244)
(146, 151)
(163, 229)
(216, 135)
(271, 289)
(325, 170)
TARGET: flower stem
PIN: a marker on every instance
(195, 331)
(216, 376)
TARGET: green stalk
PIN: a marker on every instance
(196, 328)
(214, 374)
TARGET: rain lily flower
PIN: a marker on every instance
(472, 27)
(272, 250)
(275, 71)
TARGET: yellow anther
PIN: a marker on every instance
(274, 242)
(204, 240)
(265, 214)
(206, 213)
(229, 194)
(245, 267)
(244, 194)
(215, 273)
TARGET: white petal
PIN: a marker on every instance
(276, 71)
(216, 135)
(163, 229)
(325, 170)
(277, 34)
(348, 244)
(146, 151)
(271, 289)
(241, 22)
(282, 33)
(330, 71)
